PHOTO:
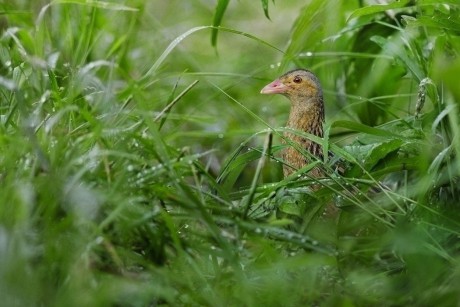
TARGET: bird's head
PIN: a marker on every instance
(296, 84)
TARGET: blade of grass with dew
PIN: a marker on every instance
(255, 180)
(162, 115)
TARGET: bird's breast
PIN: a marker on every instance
(295, 156)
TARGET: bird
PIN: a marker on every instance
(305, 93)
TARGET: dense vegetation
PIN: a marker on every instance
(137, 167)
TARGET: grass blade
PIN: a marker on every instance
(218, 15)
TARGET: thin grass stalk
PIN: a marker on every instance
(255, 179)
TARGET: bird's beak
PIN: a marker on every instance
(276, 87)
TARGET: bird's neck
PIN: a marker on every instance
(307, 114)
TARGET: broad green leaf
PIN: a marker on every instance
(343, 154)
(369, 155)
(380, 151)
(290, 208)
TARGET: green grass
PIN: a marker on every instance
(139, 165)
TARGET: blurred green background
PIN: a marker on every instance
(124, 182)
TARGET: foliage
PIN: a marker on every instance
(140, 168)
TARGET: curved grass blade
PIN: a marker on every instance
(260, 165)
(90, 3)
(397, 50)
(373, 9)
(363, 128)
(167, 109)
(181, 37)
(218, 15)
(265, 7)
(97, 4)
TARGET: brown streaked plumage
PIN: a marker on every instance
(304, 91)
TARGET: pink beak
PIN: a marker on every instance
(276, 87)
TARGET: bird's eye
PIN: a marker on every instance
(297, 79)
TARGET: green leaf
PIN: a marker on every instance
(290, 208)
(369, 155)
(265, 7)
(237, 162)
(437, 2)
(308, 27)
(218, 15)
(373, 9)
(397, 50)
(380, 151)
(438, 22)
(363, 128)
